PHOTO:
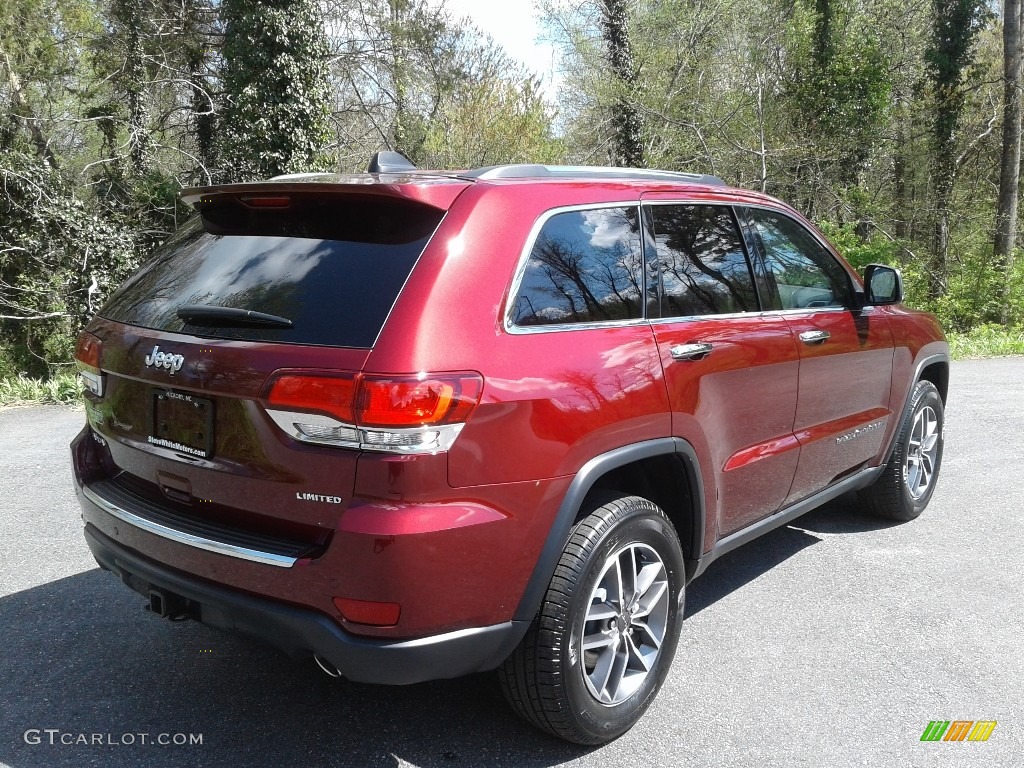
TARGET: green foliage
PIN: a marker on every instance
(974, 296)
(879, 249)
(59, 259)
(408, 76)
(880, 118)
(989, 340)
(276, 116)
(61, 388)
(489, 123)
(840, 81)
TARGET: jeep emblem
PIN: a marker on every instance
(158, 359)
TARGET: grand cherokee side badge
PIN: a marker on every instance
(158, 359)
(859, 431)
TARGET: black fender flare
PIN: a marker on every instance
(582, 484)
(919, 367)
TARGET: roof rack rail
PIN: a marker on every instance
(587, 172)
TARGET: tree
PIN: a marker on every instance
(955, 27)
(131, 28)
(276, 88)
(1009, 169)
(628, 140)
(409, 77)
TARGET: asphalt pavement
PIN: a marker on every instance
(830, 642)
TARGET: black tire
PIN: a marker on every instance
(897, 494)
(548, 679)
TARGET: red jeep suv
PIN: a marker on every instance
(422, 424)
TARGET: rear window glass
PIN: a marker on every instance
(335, 281)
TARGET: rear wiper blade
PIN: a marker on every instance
(197, 314)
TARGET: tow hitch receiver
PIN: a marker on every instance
(168, 605)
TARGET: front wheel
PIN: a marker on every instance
(607, 630)
(907, 482)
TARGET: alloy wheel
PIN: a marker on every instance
(625, 623)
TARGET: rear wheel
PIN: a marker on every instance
(607, 630)
(906, 484)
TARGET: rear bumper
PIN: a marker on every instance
(300, 631)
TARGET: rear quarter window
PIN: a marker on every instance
(584, 267)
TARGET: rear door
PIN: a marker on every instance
(731, 368)
(845, 352)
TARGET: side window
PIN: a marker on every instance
(806, 274)
(585, 267)
(704, 268)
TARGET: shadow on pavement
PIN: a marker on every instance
(743, 565)
(81, 655)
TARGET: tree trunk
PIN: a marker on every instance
(1009, 172)
(944, 176)
(132, 80)
(400, 131)
(628, 145)
(203, 109)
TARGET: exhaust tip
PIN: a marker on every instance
(326, 666)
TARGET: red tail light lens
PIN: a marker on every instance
(88, 349)
(416, 401)
(329, 394)
(380, 401)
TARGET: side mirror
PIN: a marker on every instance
(882, 285)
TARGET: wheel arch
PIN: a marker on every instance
(933, 368)
(665, 471)
(936, 370)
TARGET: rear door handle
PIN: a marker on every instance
(695, 351)
(814, 337)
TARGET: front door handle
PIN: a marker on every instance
(814, 337)
(698, 350)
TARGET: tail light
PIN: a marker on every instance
(404, 414)
(88, 351)
(408, 402)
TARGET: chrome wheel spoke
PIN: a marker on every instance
(616, 671)
(635, 659)
(650, 599)
(649, 638)
(617, 594)
(913, 470)
(646, 577)
(627, 570)
(601, 611)
(925, 474)
(598, 640)
(603, 671)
